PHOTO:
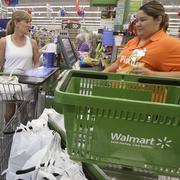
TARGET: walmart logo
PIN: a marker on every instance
(127, 139)
(162, 143)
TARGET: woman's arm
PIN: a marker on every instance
(112, 68)
(36, 54)
(42, 49)
(146, 71)
(2, 51)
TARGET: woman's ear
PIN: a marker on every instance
(159, 20)
(15, 22)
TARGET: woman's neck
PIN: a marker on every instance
(146, 38)
(18, 39)
(142, 42)
(18, 36)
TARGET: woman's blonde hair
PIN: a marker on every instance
(17, 16)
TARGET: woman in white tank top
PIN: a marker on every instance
(17, 50)
(18, 57)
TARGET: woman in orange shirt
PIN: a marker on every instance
(152, 51)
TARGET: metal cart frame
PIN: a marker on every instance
(22, 102)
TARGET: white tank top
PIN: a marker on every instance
(18, 57)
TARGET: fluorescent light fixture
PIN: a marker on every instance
(59, 20)
(52, 6)
(90, 26)
(91, 21)
(173, 26)
(42, 20)
(174, 23)
(65, 18)
(171, 13)
(171, 6)
(3, 9)
(59, 23)
(68, 12)
(173, 19)
(86, 12)
(49, 23)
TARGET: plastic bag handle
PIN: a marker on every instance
(12, 72)
(17, 131)
(24, 171)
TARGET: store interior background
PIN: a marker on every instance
(47, 21)
(92, 17)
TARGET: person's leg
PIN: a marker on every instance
(9, 111)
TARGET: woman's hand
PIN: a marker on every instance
(112, 68)
(142, 70)
(146, 71)
(42, 49)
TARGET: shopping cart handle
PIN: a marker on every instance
(61, 75)
(173, 82)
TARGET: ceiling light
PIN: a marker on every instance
(171, 12)
(171, 6)
(68, 12)
(174, 23)
(173, 19)
(173, 26)
(66, 6)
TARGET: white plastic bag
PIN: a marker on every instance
(56, 118)
(11, 89)
(36, 153)
(57, 161)
(47, 167)
(27, 141)
(44, 168)
(31, 167)
(57, 164)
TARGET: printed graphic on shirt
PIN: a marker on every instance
(136, 55)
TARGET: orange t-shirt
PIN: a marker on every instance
(160, 53)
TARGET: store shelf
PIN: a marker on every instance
(3, 9)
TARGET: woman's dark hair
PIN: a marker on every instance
(156, 9)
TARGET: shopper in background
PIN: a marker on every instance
(152, 52)
(92, 43)
(81, 43)
(79, 40)
(86, 43)
(17, 50)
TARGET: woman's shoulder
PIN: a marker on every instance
(132, 42)
(33, 42)
(170, 38)
(170, 41)
(3, 41)
(167, 45)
